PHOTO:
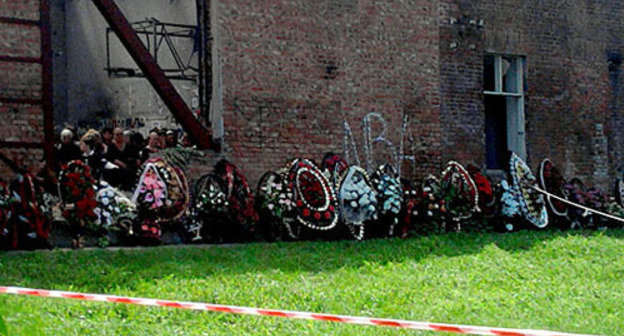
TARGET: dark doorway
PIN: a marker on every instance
(495, 131)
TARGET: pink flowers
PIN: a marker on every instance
(153, 189)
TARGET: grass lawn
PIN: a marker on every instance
(571, 282)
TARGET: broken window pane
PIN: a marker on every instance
(510, 70)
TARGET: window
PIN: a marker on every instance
(503, 86)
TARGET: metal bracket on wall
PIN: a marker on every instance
(160, 39)
(199, 134)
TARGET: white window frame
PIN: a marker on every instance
(516, 138)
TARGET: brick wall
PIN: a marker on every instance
(21, 116)
(293, 71)
(290, 73)
(572, 115)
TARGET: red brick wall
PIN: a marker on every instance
(292, 71)
(569, 100)
(20, 122)
(21, 9)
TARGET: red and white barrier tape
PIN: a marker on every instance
(580, 206)
(449, 328)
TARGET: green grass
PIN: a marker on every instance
(572, 282)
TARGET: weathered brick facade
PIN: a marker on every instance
(424, 59)
(572, 111)
(289, 73)
(21, 107)
(293, 71)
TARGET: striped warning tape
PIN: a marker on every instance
(442, 327)
(580, 206)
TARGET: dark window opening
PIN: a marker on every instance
(496, 132)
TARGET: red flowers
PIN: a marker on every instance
(77, 189)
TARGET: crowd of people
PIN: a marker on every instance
(114, 154)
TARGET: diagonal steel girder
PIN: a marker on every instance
(115, 18)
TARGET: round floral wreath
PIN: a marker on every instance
(597, 199)
(210, 200)
(357, 199)
(487, 200)
(531, 203)
(161, 197)
(77, 191)
(389, 190)
(389, 193)
(162, 192)
(614, 208)
(210, 195)
(411, 200)
(151, 190)
(619, 192)
(433, 204)
(313, 196)
(239, 195)
(552, 182)
(460, 192)
(574, 191)
(510, 203)
(30, 209)
(5, 210)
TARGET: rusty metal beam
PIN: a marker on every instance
(18, 21)
(47, 96)
(21, 144)
(20, 101)
(205, 57)
(19, 59)
(165, 89)
(10, 163)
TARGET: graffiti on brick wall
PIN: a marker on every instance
(372, 138)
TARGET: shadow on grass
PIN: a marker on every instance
(112, 271)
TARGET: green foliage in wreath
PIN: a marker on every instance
(457, 205)
(179, 157)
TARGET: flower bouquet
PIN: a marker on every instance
(275, 207)
(389, 195)
(77, 191)
(575, 192)
(240, 198)
(424, 208)
(334, 167)
(487, 199)
(112, 207)
(5, 214)
(358, 201)
(161, 196)
(210, 202)
(460, 194)
(29, 213)
(597, 199)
